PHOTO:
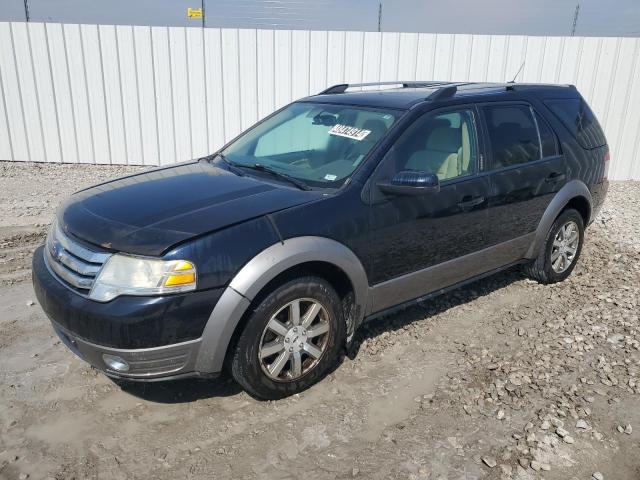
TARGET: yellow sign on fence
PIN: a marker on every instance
(194, 12)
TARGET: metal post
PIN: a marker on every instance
(202, 8)
(26, 10)
(379, 16)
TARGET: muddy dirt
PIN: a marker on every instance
(503, 379)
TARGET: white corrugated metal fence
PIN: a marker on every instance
(157, 95)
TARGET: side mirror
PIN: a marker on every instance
(411, 182)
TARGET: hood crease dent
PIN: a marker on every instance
(148, 213)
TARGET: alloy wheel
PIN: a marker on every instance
(294, 340)
(565, 247)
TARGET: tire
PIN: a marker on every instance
(542, 268)
(258, 374)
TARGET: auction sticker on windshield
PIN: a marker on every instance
(349, 132)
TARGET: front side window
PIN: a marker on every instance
(320, 144)
(444, 144)
(512, 134)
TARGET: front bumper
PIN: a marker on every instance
(158, 337)
(144, 364)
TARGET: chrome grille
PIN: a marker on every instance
(74, 264)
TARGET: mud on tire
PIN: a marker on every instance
(246, 363)
(542, 269)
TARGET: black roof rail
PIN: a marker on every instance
(519, 86)
(339, 88)
(446, 91)
(342, 87)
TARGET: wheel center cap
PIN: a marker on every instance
(295, 339)
(563, 246)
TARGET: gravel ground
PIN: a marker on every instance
(503, 379)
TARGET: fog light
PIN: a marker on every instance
(115, 363)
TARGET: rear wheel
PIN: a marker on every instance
(561, 250)
(292, 339)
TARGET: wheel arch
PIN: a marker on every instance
(575, 194)
(318, 255)
(582, 205)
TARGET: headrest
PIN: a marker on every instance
(439, 123)
(444, 139)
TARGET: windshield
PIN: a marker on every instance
(319, 144)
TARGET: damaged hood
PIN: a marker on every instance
(147, 213)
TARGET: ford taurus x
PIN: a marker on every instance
(265, 257)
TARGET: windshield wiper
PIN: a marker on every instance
(263, 168)
(230, 165)
(235, 168)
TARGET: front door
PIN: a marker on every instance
(411, 235)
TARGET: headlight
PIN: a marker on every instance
(126, 275)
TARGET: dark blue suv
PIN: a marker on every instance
(265, 257)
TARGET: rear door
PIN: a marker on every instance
(526, 169)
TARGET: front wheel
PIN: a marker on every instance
(562, 248)
(292, 339)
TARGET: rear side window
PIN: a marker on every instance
(576, 115)
(513, 135)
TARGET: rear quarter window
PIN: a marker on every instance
(576, 115)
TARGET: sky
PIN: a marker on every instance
(529, 17)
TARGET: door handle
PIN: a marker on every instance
(470, 202)
(555, 177)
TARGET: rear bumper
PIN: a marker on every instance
(159, 338)
(598, 195)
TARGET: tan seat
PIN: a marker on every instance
(464, 154)
(440, 155)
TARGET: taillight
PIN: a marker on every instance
(607, 157)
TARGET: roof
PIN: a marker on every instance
(405, 95)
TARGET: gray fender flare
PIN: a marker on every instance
(257, 273)
(573, 189)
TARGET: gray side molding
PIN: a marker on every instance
(256, 274)
(218, 331)
(573, 189)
